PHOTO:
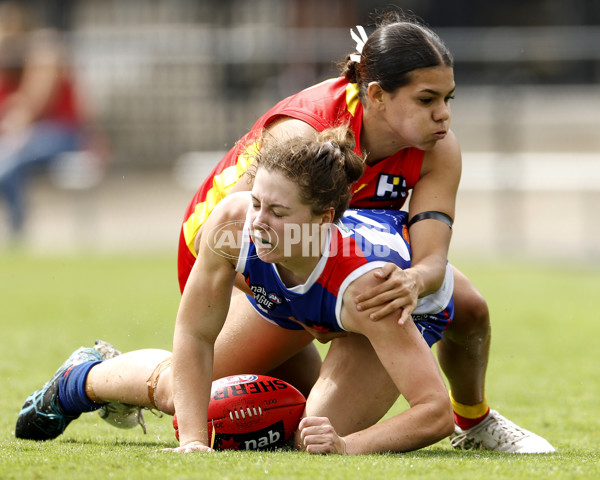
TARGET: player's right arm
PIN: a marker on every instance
(409, 363)
(202, 312)
(430, 239)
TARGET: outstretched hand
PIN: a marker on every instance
(189, 448)
(317, 435)
(397, 292)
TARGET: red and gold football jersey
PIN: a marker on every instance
(334, 102)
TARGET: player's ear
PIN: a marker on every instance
(375, 94)
(327, 216)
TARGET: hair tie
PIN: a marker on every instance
(328, 146)
(360, 42)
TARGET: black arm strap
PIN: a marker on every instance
(433, 215)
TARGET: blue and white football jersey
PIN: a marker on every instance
(362, 241)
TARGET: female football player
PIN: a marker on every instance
(301, 269)
(395, 93)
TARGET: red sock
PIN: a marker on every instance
(466, 423)
(467, 416)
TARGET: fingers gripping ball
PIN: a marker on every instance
(252, 412)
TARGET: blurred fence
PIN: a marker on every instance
(169, 93)
(160, 91)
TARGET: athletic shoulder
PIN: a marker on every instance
(221, 232)
(446, 153)
(232, 208)
(285, 128)
(352, 319)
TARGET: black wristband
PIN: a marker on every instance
(433, 215)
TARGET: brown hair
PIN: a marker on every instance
(324, 169)
(399, 45)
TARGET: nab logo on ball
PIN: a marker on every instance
(252, 412)
(264, 439)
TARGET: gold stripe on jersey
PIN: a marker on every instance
(223, 182)
(352, 97)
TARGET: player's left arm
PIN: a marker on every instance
(430, 239)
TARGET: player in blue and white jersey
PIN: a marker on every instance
(360, 242)
(304, 265)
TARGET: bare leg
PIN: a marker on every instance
(123, 378)
(464, 350)
(353, 390)
(250, 344)
(247, 344)
(463, 355)
(302, 370)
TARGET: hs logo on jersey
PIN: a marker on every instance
(390, 187)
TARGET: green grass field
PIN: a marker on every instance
(543, 374)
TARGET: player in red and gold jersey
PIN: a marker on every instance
(333, 102)
(395, 94)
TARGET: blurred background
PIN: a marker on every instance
(165, 86)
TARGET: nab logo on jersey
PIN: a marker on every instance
(390, 187)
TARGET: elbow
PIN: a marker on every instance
(440, 420)
(447, 428)
(443, 419)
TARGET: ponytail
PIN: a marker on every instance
(324, 169)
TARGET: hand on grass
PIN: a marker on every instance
(318, 436)
(189, 448)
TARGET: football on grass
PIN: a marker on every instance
(252, 412)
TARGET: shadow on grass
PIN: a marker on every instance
(448, 453)
(425, 454)
(118, 443)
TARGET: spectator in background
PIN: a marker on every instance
(40, 115)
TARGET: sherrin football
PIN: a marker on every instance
(252, 412)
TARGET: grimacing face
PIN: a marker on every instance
(279, 220)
